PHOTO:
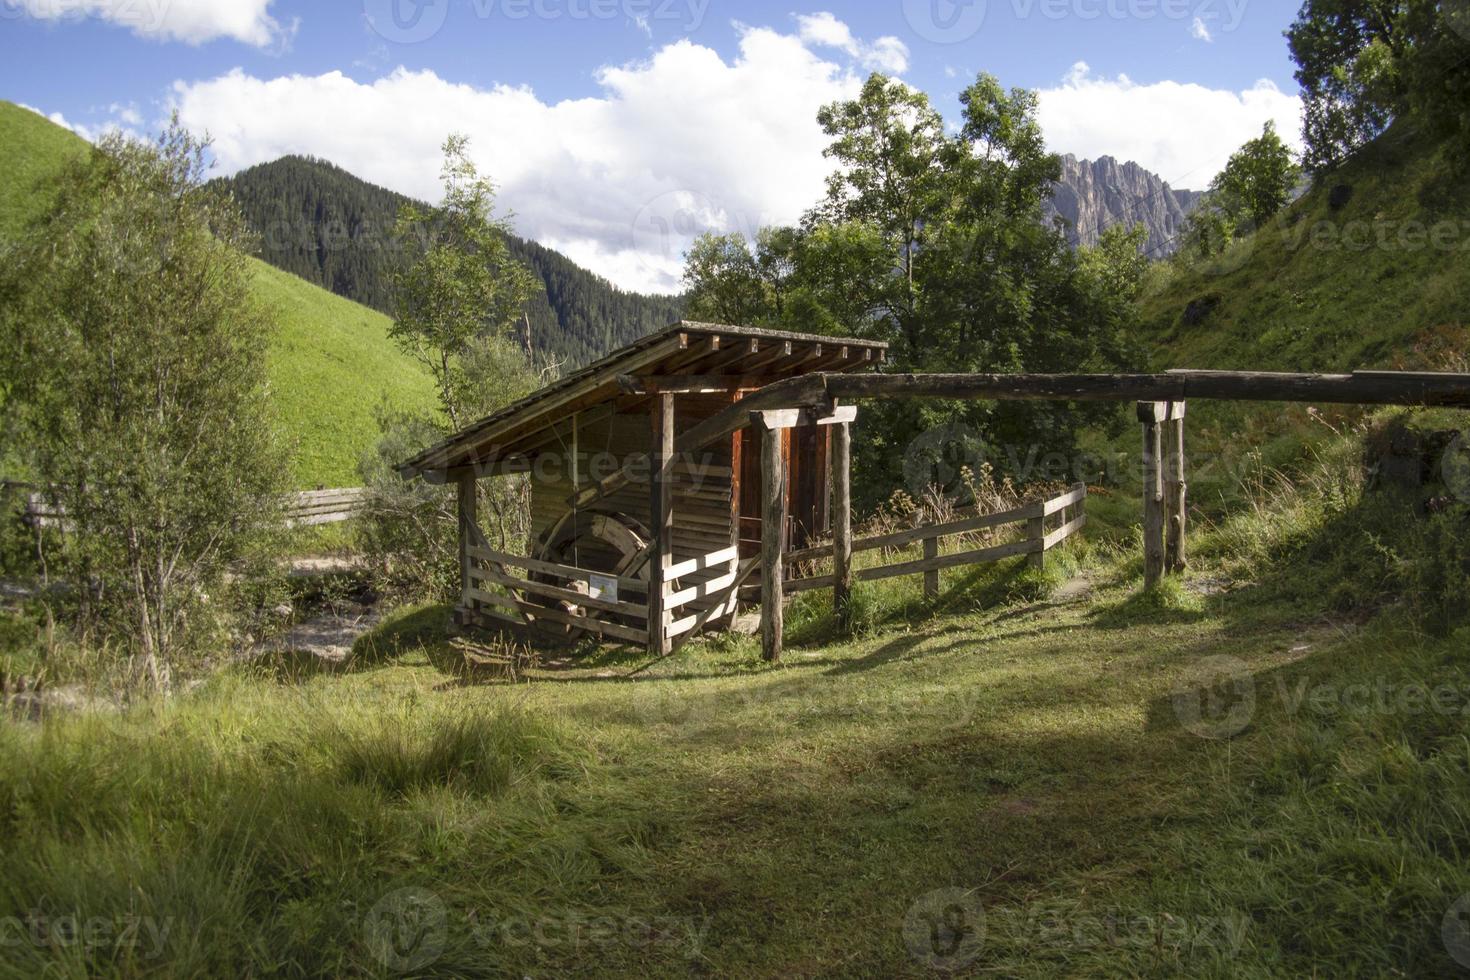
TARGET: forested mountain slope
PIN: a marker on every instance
(333, 229)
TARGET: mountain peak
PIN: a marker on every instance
(1094, 195)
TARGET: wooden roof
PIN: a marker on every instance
(685, 356)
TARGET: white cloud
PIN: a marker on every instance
(1200, 31)
(1182, 131)
(886, 54)
(191, 21)
(621, 182)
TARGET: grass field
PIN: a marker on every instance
(332, 364)
(984, 788)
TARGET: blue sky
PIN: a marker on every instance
(618, 128)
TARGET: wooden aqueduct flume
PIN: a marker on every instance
(1161, 402)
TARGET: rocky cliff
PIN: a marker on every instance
(1097, 194)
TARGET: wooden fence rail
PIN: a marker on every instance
(304, 509)
(1039, 539)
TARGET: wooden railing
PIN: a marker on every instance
(701, 591)
(529, 592)
(304, 509)
(1048, 524)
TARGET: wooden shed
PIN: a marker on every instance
(624, 533)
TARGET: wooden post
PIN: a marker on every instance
(1149, 414)
(661, 521)
(1036, 531)
(773, 540)
(931, 575)
(1176, 490)
(842, 524)
(468, 521)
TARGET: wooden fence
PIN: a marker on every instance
(1048, 524)
(502, 588)
(304, 509)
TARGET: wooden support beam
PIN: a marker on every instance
(661, 523)
(841, 463)
(1153, 494)
(1176, 492)
(1360, 388)
(468, 522)
(773, 542)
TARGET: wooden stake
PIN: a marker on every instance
(661, 523)
(468, 520)
(773, 542)
(842, 523)
(931, 576)
(1153, 492)
(1176, 504)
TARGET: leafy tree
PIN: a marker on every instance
(1363, 63)
(1258, 180)
(134, 362)
(458, 307)
(462, 290)
(1255, 186)
(890, 146)
(724, 281)
(936, 243)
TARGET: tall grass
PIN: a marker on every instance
(237, 832)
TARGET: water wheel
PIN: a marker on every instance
(607, 542)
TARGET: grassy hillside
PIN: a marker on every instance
(1381, 280)
(331, 367)
(332, 363)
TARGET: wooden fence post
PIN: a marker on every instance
(1176, 491)
(1149, 413)
(465, 508)
(661, 521)
(842, 523)
(1036, 531)
(931, 576)
(773, 539)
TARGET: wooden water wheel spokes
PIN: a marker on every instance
(607, 542)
